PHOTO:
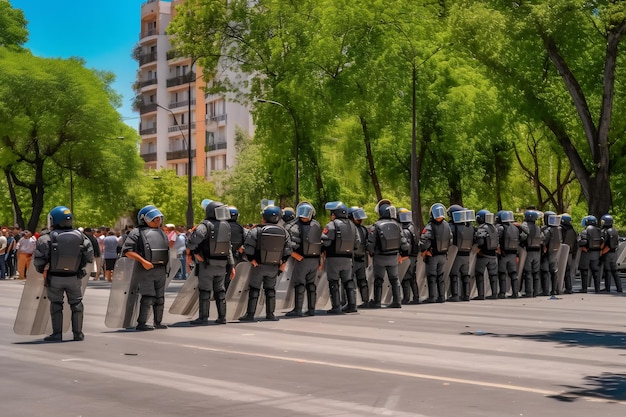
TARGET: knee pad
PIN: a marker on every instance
(159, 301)
(299, 289)
(77, 308)
(254, 292)
(311, 287)
(146, 300)
(56, 307)
(270, 293)
(220, 296)
(378, 282)
(205, 295)
(349, 285)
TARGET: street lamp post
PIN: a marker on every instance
(189, 218)
(296, 145)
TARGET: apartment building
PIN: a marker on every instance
(174, 110)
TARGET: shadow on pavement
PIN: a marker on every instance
(607, 386)
(570, 337)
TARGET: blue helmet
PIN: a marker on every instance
(454, 208)
(482, 216)
(505, 216)
(566, 219)
(437, 212)
(385, 210)
(589, 220)
(531, 216)
(60, 217)
(271, 214)
(234, 213)
(338, 209)
(356, 213)
(546, 217)
(606, 221)
(305, 210)
(148, 214)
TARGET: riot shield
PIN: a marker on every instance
(561, 265)
(173, 267)
(574, 267)
(452, 251)
(422, 282)
(323, 291)
(124, 298)
(237, 294)
(285, 297)
(186, 301)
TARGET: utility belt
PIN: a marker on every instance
(463, 253)
(486, 252)
(510, 252)
(533, 249)
(359, 259)
(435, 252)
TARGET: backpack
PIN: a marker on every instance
(217, 242)
(344, 236)
(270, 244)
(66, 252)
(389, 235)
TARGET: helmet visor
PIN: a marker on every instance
(392, 212)
(222, 213)
(490, 218)
(463, 216)
(152, 214)
(265, 203)
(405, 217)
(554, 220)
(359, 214)
(205, 203)
(304, 211)
(332, 205)
(438, 211)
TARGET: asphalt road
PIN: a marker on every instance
(526, 357)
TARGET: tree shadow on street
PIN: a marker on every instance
(576, 338)
(607, 386)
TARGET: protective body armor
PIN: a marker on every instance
(236, 235)
(389, 235)
(270, 244)
(217, 241)
(411, 237)
(311, 238)
(66, 252)
(594, 237)
(344, 237)
(463, 237)
(360, 251)
(510, 238)
(441, 233)
(554, 241)
(154, 245)
(569, 236)
(491, 236)
(533, 241)
(611, 238)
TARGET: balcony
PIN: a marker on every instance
(182, 128)
(151, 81)
(215, 146)
(171, 54)
(181, 104)
(148, 108)
(181, 79)
(149, 157)
(147, 32)
(218, 118)
(147, 58)
(148, 131)
(180, 154)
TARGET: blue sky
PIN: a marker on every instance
(102, 33)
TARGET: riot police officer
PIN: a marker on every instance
(148, 245)
(359, 256)
(267, 246)
(508, 235)
(384, 242)
(434, 243)
(609, 254)
(210, 247)
(531, 239)
(409, 280)
(61, 255)
(339, 241)
(486, 237)
(306, 237)
(237, 236)
(570, 238)
(551, 244)
(462, 238)
(590, 241)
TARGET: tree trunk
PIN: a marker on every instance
(370, 158)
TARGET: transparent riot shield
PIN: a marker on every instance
(186, 301)
(420, 273)
(124, 298)
(285, 297)
(237, 294)
(173, 267)
(452, 251)
(323, 292)
(561, 265)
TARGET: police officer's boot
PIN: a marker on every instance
(502, 285)
(545, 279)
(441, 290)
(493, 284)
(584, 280)
(454, 288)
(311, 295)
(350, 306)
(514, 293)
(406, 291)
(618, 282)
(56, 317)
(554, 290)
(220, 303)
(299, 302)
(144, 309)
(596, 281)
(270, 305)
(378, 294)
(77, 321)
(528, 285)
(335, 300)
(365, 296)
(395, 295)
(203, 309)
(535, 286)
(432, 288)
(253, 298)
(480, 286)
(465, 296)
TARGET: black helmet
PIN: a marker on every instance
(531, 216)
(216, 210)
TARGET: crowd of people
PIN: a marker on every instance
(458, 242)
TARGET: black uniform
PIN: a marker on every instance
(552, 242)
(531, 239)
(509, 237)
(434, 243)
(64, 253)
(463, 238)
(359, 264)
(570, 238)
(590, 240)
(609, 259)
(486, 237)
(409, 280)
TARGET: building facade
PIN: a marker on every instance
(174, 110)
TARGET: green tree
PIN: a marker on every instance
(13, 32)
